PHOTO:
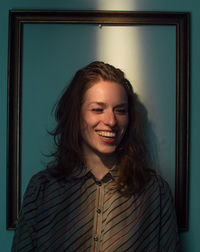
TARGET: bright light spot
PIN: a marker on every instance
(117, 4)
(120, 46)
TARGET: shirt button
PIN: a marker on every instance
(98, 211)
(95, 238)
(98, 183)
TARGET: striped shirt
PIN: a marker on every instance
(88, 215)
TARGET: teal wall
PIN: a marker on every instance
(189, 239)
(51, 55)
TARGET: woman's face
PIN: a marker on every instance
(104, 117)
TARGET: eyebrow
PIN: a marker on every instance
(122, 105)
(97, 103)
(103, 104)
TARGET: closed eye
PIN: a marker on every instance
(97, 110)
(121, 111)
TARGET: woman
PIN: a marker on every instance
(99, 193)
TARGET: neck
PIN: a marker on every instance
(100, 164)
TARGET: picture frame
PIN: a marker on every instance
(17, 19)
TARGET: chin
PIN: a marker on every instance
(106, 151)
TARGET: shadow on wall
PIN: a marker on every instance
(151, 140)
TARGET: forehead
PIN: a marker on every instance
(106, 91)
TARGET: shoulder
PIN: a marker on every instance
(42, 184)
(163, 192)
(41, 178)
(160, 187)
(160, 183)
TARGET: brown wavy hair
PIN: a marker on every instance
(134, 160)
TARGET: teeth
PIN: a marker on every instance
(106, 134)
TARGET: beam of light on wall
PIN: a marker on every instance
(117, 4)
(147, 55)
(120, 46)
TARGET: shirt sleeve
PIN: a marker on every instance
(169, 237)
(24, 237)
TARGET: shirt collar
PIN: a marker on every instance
(84, 171)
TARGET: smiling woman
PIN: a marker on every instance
(105, 119)
(100, 193)
(104, 113)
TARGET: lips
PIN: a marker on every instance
(107, 137)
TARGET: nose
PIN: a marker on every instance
(110, 118)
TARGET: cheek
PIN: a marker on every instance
(89, 119)
(124, 123)
(85, 132)
(83, 126)
(87, 124)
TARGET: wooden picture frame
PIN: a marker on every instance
(17, 19)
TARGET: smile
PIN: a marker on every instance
(107, 134)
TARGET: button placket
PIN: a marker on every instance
(98, 215)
